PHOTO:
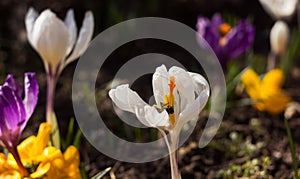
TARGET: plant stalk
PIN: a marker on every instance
(50, 114)
(172, 144)
(292, 148)
(17, 158)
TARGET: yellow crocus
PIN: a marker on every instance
(266, 93)
(49, 161)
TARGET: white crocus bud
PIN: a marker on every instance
(279, 37)
(55, 39)
(279, 9)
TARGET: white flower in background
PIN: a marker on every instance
(56, 40)
(57, 43)
(279, 9)
(279, 37)
(179, 97)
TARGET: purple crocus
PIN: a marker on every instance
(226, 41)
(15, 112)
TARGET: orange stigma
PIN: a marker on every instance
(169, 101)
(224, 29)
(172, 84)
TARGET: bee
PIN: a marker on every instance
(167, 107)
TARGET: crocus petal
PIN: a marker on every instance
(156, 119)
(126, 99)
(72, 28)
(14, 111)
(208, 31)
(85, 35)
(251, 81)
(200, 83)
(14, 85)
(130, 101)
(279, 37)
(50, 37)
(194, 108)
(41, 171)
(239, 39)
(160, 81)
(71, 156)
(30, 18)
(216, 21)
(42, 139)
(273, 79)
(31, 89)
(279, 9)
(184, 86)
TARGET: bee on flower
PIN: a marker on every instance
(179, 97)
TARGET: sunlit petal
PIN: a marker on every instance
(30, 18)
(50, 38)
(156, 119)
(85, 36)
(72, 28)
(160, 82)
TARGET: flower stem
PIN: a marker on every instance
(17, 158)
(174, 166)
(172, 144)
(292, 148)
(50, 114)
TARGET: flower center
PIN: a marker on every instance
(169, 101)
(224, 29)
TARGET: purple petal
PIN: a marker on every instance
(208, 31)
(13, 109)
(13, 84)
(3, 126)
(216, 21)
(31, 89)
(239, 39)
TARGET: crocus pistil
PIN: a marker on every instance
(169, 101)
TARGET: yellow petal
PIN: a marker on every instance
(42, 169)
(71, 156)
(251, 81)
(10, 174)
(42, 139)
(273, 79)
(277, 103)
(25, 148)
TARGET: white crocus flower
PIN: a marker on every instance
(56, 40)
(279, 9)
(279, 37)
(57, 43)
(179, 96)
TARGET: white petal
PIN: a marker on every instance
(72, 28)
(50, 36)
(156, 119)
(160, 81)
(279, 37)
(279, 9)
(29, 23)
(85, 36)
(184, 86)
(192, 111)
(200, 83)
(128, 100)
